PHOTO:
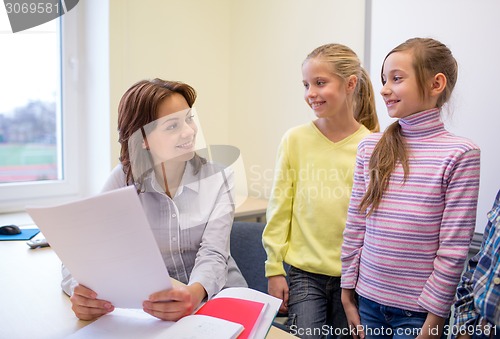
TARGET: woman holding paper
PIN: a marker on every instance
(188, 200)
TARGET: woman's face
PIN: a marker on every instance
(174, 133)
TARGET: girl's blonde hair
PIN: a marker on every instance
(430, 57)
(344, 63)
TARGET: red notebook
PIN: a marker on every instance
(245, 312)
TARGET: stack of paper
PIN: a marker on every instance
(107, 244)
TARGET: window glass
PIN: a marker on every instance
(40, 139)
(30, 116)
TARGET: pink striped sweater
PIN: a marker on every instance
(410, 252)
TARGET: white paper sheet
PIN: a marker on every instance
(132, 324)
(106, 243)
(123, 324)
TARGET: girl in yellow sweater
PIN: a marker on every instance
(311, 191)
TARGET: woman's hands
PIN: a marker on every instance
(175, 303)
(86, 305)
(170, 304)
(277, 286)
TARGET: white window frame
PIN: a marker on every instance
(85, 149)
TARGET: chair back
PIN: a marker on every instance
(249, 254)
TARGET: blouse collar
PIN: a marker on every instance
(188, 180)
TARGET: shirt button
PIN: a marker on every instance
(174, 239)
(496, 280)
(174, 215)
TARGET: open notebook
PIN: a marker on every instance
(233, 313)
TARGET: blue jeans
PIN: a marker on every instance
(381, 321)
(314, 306)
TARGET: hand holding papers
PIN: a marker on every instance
(106, 243)
(252, 318)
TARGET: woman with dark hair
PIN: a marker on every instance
(188, 200)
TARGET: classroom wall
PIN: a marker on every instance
(174, 40)
(242, 56)
(469, 29)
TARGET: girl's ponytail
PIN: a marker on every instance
(390, 150)
(365, 111)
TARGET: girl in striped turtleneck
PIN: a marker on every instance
(413, 206)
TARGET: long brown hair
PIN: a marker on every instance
(138, 107)
(430, 57)
(344, 63)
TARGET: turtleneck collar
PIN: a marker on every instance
(422, 124)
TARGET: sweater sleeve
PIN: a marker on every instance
(211, 264)
(279, 214)
(457, 227)
(354, 233)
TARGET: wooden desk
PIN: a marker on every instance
(32, 304)
(251, 208)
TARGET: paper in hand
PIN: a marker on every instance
(107, 244)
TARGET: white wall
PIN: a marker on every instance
(270, 40)
(175, 40)
(243, 57)
(470, 29)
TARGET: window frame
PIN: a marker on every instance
(80, 178)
